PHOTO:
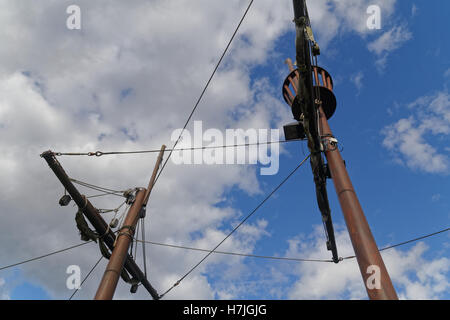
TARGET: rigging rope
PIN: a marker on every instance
(44, 256)
(85, 278)
(406, 242)
(218, 252)
(98, 188)
(205, 88)
(143, 247)
(235, 253)
(240, 224)
(101, 153)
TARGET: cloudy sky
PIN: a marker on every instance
(130, 77)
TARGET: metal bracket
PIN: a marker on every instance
(327, 171)
(315, 49)
(329, 140)
(309, 34)
(134, 285)
(65, 200)
(143, 212)
(130, 196)
(300, 22)
(302, 68)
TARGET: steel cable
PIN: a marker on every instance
(101, 153)
(205, 88)
(85, 278)
(234, 229)
(44, 256)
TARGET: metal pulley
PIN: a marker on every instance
(134, 285)
(315, 49)
(143, 212)
(130, 196)
(114, 223)
(65, 200)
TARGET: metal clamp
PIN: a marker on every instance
(329, 140)
(130, 196)
(97, 153)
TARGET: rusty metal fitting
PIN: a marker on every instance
(97, 153)
(329, 140)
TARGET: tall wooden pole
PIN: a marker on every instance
(306, 105)
(376, 278)
(153, 177)
(320, 138)
(114, 268)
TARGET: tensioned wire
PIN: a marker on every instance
(204, 90)
(101, 153)
(237, 227)
(223, 252)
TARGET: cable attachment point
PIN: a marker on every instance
(333, 141)
(130, 196)
(97, 153)
(129, 234)
(301, 22)
(114, 223)
(302, 68)
(143, 212)
(329, 142)
(65, 199)
(134, 285)
(315, 49)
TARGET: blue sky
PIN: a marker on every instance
(400, 202)
(392, 120)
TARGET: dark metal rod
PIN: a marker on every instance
(378, 286)
(299, 8)
(95, 219)
(308, 109)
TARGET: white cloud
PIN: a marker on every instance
(436, 197)
(345, 16)
(4, 294)
(408, 138)
(350, 16)
(414, 10)
(388, 42)
(357, 80)
(413, 276)
(63, 90)
(327, 280)
(447, 73)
